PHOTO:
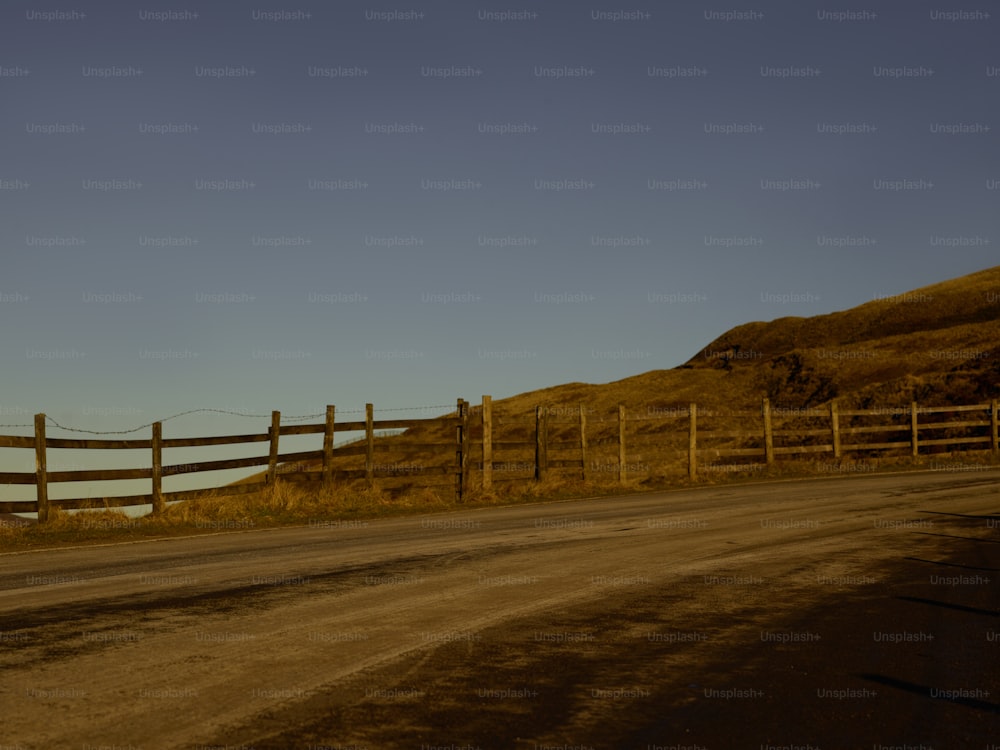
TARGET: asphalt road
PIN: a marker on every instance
(832, 613)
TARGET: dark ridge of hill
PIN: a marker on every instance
(939, 343)
(967, 300)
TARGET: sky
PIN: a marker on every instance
(256, 206)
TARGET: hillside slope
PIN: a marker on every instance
(937, 345)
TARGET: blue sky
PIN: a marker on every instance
(254, 207)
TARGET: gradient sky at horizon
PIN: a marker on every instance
(406, 204)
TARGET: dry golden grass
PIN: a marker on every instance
(283, 504)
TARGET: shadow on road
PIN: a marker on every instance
(960, 515)
(956, 536)
(933, 693)
(948, 564)
(947, 605)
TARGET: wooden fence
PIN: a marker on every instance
(41, 477)
(907, 421)
(776, 432)
(829, 432)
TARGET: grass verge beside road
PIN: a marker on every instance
(299, 504)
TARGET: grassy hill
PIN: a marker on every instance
(937, 345)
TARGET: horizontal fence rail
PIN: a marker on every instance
(561, 439)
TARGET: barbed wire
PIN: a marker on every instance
(413, 408)
(297, 418)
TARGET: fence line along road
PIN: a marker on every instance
(759, 442)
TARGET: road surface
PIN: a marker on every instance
(831, 613)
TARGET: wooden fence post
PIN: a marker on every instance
(768, 434)
(331, 412)
(835, 427)
(369, 445)
(994, 438)
(541, 440)
(621, 443)
(487, 442)
(463, 447)
(158, 504)
(272, 459)
(583, 442)
(913, 428)
(41, 471)
(692, 441)
(993, 426)
(459, 457)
